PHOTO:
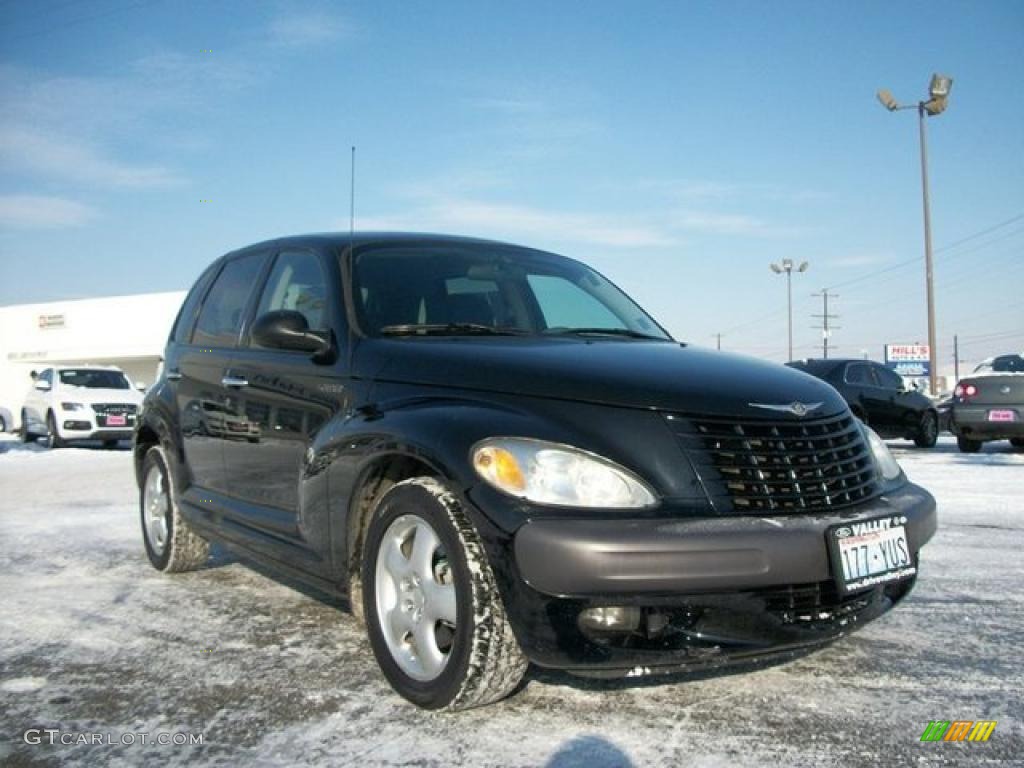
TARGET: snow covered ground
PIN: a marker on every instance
(93, 640)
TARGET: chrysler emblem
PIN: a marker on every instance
(796, 408)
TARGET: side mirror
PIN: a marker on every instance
(140, 385)
(288, 329)
(42, 385)
(33, 374)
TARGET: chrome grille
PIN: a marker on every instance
(780, 466)
(114, 409)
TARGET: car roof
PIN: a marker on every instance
(822, 366)
(342, 240)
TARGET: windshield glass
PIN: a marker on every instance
(94, 379)
(1008, 364)
(475, 288)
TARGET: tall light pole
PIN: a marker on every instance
(938, 92)
(787, 267)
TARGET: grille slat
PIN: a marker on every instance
(780, 466)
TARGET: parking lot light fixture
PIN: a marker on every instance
(787, 266)
(938, 92)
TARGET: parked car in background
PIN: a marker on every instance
(81, 402)
(500, 458)
(989, 404)
(879, 398)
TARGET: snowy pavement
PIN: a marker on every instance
(92, 640)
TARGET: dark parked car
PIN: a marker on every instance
(989, 404)
(499, 459)
(879, 398)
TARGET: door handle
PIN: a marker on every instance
(234, 381)
(173, 375)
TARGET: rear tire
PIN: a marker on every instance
(928, 433)
(171, 544)
(966, 445)
(26, 435)
(1017, 442)
(480, 660)
(56, 441)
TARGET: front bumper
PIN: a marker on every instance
(708, 588)
(972, 422)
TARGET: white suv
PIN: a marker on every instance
(81, 402)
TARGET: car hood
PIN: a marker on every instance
(633, 373)
(90, 395)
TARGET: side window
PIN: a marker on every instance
(297, 282)
(565, 305)
(887, 378)
(47, 376)
(858, 373)
(187, 314)
(220, 319)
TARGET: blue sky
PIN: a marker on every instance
(679, 147)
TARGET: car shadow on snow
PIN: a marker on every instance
(41, 445)
(696, 672)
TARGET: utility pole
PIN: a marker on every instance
(825, 327)
(718, 342)
(956, 358)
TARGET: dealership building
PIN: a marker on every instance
(126, 331)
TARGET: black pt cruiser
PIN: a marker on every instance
(500, 459)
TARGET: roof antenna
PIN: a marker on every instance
(352, 205)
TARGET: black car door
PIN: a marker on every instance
(279, 403)
(198, 368)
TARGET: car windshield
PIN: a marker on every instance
(1008, 364)
(489, 290)
(91, 378)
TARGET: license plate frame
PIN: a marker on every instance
(1001, 415)
(858, 548)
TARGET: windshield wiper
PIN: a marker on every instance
(628, 333)
(448, 329)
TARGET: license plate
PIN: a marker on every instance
(870, 552)
(1002, 416)
(116, 421)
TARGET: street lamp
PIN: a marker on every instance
(787, 267)
(938, 92)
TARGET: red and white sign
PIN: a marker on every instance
(906, 353)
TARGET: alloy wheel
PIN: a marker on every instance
(155, 506)
(415, 597)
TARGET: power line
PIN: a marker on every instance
(943, 249)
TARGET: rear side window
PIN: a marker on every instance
(220, 319)
(298, 283)
(888, 379)
(859, 373)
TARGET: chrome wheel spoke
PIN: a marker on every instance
(395, 562)
(430, 656)
(441, 602)
(423, 548)
(156, 506)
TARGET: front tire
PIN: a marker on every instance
(1017, 442)
(171, 544)
(56, 441)
(928, 433)
(966, 445)
(434, 616)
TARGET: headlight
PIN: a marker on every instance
(551, 473)
(887, 465)
(72, 407)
